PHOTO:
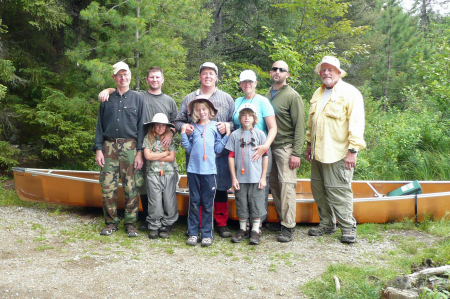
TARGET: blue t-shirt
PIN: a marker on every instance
(214, 144)
(263, 109)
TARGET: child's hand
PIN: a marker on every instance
(262, 183)
(183, 128)
(235, 184)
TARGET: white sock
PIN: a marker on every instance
(243, 224)
(255, 226)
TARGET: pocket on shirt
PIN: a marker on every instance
(334, 110)
(131, 115)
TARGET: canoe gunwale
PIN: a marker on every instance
(181, 191)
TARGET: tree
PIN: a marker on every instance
(140, 32)
(398, 43)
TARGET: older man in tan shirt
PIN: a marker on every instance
(334, 136)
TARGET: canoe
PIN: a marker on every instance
(370, 204)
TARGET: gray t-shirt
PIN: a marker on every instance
(252, 169)
(161, 103)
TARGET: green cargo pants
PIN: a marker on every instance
(331, 186)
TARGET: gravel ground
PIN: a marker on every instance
(49, 254)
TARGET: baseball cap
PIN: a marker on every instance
(120, 66)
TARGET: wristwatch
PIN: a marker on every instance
(353, 151)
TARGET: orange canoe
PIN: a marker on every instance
(370, 204)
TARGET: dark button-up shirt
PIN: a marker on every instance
(122, 116)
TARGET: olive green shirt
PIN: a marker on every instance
(290, 117)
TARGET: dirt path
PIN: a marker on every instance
(52, 255)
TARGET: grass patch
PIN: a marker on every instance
(44, 247)
(367, 282)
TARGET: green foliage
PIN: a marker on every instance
(67, 128)
(8, 156)
(137, 32)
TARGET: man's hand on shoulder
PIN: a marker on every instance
(104, 94)
(294, 162)
(166, 139)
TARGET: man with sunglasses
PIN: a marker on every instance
(286, 149)
(335, 135)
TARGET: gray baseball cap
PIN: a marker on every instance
(209, 65)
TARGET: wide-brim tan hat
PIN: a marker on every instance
(334, 62)
(198, 99)
(160, 118)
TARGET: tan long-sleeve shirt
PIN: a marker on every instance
(339, 126)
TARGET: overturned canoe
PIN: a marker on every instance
(370, 204)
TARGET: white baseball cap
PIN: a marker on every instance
(333, 61)
(247, 106)
(120, 66)
(208, 65)
(247, 75)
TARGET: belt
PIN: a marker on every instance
(119, 140)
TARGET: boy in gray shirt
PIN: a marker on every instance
(248, 176)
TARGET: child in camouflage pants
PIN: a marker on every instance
(161, 179)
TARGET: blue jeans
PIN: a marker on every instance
(202, 189)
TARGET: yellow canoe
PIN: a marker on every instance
(370, 204)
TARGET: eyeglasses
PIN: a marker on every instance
(121, 75)
(247, 82)
(281, 69)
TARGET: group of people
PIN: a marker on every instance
(252, 144)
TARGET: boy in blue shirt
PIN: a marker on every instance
(248, 176)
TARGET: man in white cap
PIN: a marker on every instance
(335, 135)
(118, 146)
(156, 102)
(208, 76)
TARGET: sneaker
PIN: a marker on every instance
(131, 230)
(241, 235)
(206, 242)
(165, 232)
(255, 238)
(349, 236)
(109, 229)
(286, 234)
(143, 227)
(275, 227)
(224, 232)
(192, 241)
(153, 234)
(321, 230)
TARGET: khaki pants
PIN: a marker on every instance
(283, 182)
(332, 191)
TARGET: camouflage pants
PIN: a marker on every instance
(119, 165)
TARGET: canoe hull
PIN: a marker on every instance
(81, 188)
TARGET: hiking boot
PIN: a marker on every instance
(286, 234)
(131, 230)
(275, 227)
(165, 232)
(206, 242)
(143, 227)
(321, 230)
(192, 241)
(153, 234)
(241, 235)
(224, 232)
(255, 238)
(349, 236)
(109, 229)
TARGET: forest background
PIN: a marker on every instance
(56, 56)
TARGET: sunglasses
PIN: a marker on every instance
(281, 69)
